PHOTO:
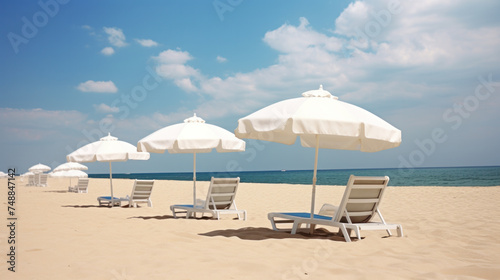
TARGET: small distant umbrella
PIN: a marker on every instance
(108, 149)
(70, 166)
(69, 174)
(39, 168)
(192, 136)
(27, 174)
(2, 174)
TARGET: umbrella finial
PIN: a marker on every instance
(194, 119)
(109, 138)
(319, 93)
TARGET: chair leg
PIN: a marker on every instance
(358, 233)
(296, 226)
(400, 231)
(273, 224)
(345, 233)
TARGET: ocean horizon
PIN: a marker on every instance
(483, 176)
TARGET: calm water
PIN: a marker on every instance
(443, 176)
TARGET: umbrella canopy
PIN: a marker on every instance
(192, 136)
(338, 124)
(69, 174)
(108, 149)
(70, 166)
(27, 174)
(39, 168)
(3, 174)
(321, 121)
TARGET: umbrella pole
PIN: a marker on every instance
(313, 198)
(111, 184)
(194, 179)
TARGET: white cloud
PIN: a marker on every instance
(146, 42)
(289, 39)
(172, 65)
(108, 51)
(103, 108)
(186, 84)
(97, 86)
(422, 52)
(173, 57)
(115, 36)
(37, 124)
(221, 59)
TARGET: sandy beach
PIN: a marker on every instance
(449, 233)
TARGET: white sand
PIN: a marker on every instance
(449, 233)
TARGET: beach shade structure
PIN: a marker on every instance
(39, 168)
(192, 136)
(3, 175)
(70, 166)
(321, 121)
(69, 174)
(107, 149)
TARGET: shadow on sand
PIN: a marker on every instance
(251, 233)
(163, 217)
(95, 206)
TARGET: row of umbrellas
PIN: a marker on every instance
(66, 170)
(318, 118)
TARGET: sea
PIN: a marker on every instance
(483, 176)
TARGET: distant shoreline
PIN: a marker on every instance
(426, 176)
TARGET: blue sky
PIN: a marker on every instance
(72, 71)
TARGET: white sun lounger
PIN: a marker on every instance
(31, 180)
(359, 205)
(81, 187)
(220, 200)
(141, 193)
(42, 180)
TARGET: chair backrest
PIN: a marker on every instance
(43, 179)
(221, 193)
(361, 199)
(31, 179)
(142, 190)
(83, 184)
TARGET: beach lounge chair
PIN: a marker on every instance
(358, 207)
(81, 187)
(141, 193)
(31, 180)
(220, 200)
(42, 180)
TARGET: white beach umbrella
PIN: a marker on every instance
(69, 174)
(108, 149)
(2, 174)
(27, 174)
(70, 166)
(321, 121)
(39, 168)
(192, 136)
